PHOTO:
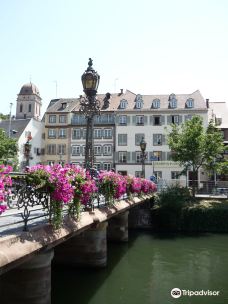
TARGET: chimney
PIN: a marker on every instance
(207, 103)
(121, 92)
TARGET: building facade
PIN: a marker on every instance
(26, 125)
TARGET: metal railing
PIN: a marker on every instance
(28, 205)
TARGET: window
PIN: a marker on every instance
(156, 104)
(190, 103)
(64, 104)
(107, 133)
(52, 118)
(76, 134)
(175, 174)
(175, 119)
(138, 157)
(98, 133)
(188, 117)
(97, 166)
(157, 139)
(173, 103)
(158, 174)
(61, 149)
(62, 133)
(51, 149)
(138, 101)
(138, 174)
(30, 108)
(158, 155)
(139, 120)
(62, 118)
(51, 133)
(123, 104)
(138, 104)
(157, 121)
(75, 150)
(123, 119)
(122, 157)
(122, 139)
(107, 149)
(97, 150)
(50, 162)
(107, 166)
(138, 138)
(21, 107)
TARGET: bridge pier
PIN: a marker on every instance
(29, 283)
(140, 216)
(118, 228)
(88, 249)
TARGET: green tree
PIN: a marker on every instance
(4, 116)
(8, 147)
(193, 146)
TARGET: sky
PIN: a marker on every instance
(147, 46)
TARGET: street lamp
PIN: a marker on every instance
(143, 156)
(89, 106)
(27, 150)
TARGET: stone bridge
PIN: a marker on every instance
(26, 257)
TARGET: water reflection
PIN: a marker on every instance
(146, 269)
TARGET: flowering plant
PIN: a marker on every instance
(83, 186)
(5, 183)
(112, 185)
(57, 182)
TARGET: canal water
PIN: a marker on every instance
(145, 270)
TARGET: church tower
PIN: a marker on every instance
(28, 102)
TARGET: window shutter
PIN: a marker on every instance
(128, 157)
(163, 139)
(134, 120)
(162, 120)
(150, 155)
(101, 166)
(128, 120)
(102, 150)
(180, 119)
(117, 119)
(136, 139)
(168, 155)
(81, 149)
(133, 157)
(154, 139)
(147, 157)
(163, 156)
(116, 157)
(151, 120)
(145, 120)
(169, 119)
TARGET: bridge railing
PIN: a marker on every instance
(28, 206)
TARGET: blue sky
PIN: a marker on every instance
(146, 46)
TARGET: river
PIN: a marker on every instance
(147, 268)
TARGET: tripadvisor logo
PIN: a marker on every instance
(177, 293)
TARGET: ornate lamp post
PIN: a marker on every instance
(90, 106)
(27, 150)
(143, 156)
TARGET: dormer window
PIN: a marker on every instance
(172, 101)
(155, 104)
(123, 104)
(64, 104)
(190, 103)
(138, 102)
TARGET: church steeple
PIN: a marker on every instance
(28, 102)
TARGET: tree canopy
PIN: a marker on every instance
(193, 146)
(8, 147)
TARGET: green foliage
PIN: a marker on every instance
(205, 219)
(169, 204)
(4, 116)
(8, 147)
(193, 146)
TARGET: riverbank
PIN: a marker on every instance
(202, 215)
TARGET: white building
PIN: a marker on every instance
(26, 125)
(150, 116)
